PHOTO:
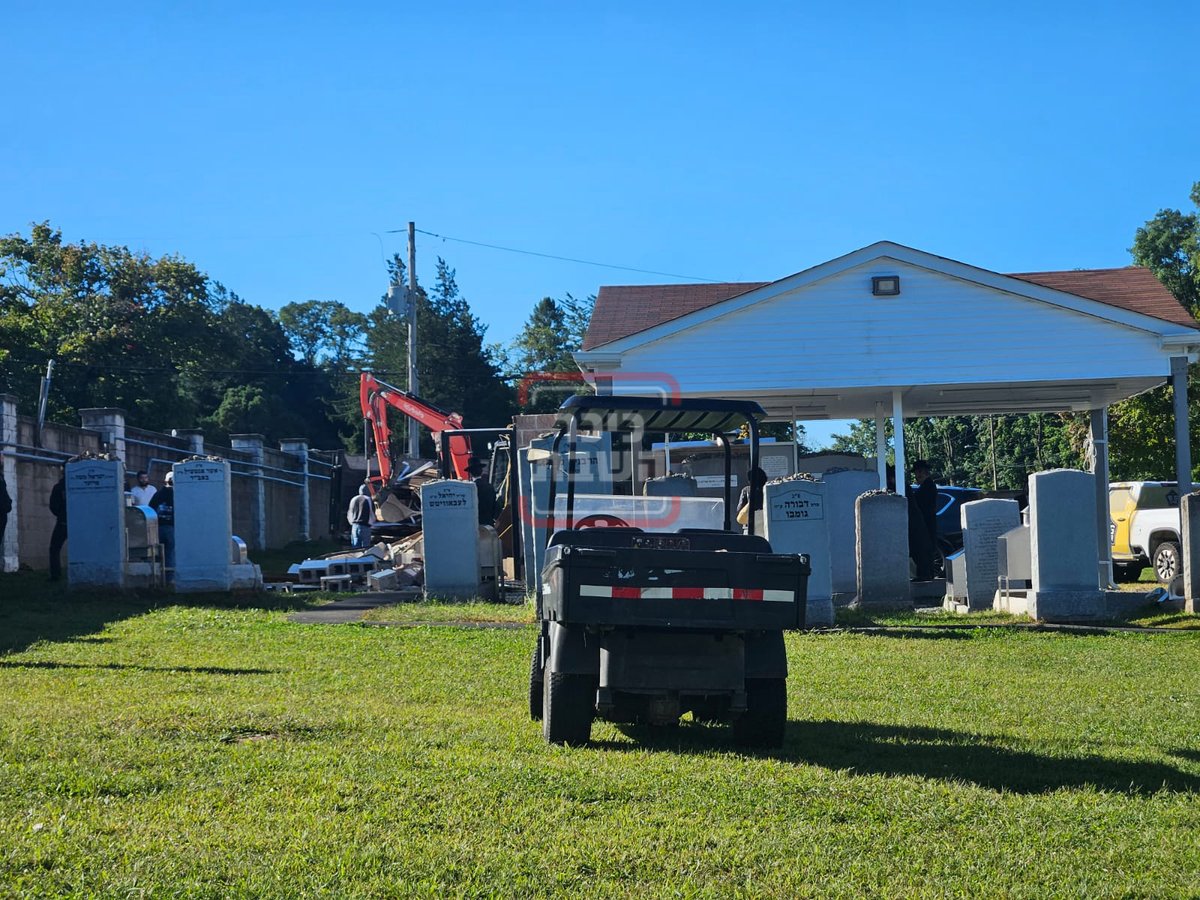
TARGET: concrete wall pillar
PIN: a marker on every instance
(110, 423)
(10, 549)
(195, 439)
(1189, 512)
(298, 447)
(1183, 441)
(898, 442)
(252, 445)
(1098, 432)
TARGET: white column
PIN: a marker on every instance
(795, 444)
(10, 550)
(1098, 433)
(880, 447)
(898, 441)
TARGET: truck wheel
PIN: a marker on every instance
(570, 702)
(1166, 561)
(535, 683)
(765, 718)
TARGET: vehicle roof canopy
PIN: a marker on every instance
(657, 414)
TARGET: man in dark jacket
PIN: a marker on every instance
(58, 506)
(6, 505)
(484, 491)
(922, 512)
(163, 504)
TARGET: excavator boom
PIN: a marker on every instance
(376, 396)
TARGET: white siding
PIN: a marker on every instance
(940, 330)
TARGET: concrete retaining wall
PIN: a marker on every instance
(31, 467)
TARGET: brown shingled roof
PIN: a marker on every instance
(623, 310)
(1133, 288)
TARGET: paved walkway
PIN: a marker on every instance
(352, 609)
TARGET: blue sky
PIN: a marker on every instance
(270, 143)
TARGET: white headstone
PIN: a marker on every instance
(203, 525)
(983, 521)
(96, 552)
(1063, 547)
(796, 522)
(842, 489)
(1189, 511)
(450, 531)
(882, 551)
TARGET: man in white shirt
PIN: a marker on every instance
(143, 491)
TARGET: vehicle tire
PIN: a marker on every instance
(1167, 561)
(535, 683)
(570, 703)
(1126, 572)
(765, 719)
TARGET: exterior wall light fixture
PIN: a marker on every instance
(885, 285)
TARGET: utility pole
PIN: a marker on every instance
(414, 431)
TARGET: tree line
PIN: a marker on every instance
(175, 348)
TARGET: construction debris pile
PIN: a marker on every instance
(383, 567)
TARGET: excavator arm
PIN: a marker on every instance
(376, 396)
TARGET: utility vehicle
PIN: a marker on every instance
(644, 619)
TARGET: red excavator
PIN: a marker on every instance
(376, 396)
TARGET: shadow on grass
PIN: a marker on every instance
(868, 748)
(33, 609)
(189, 670)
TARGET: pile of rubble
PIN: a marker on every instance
(383, 567)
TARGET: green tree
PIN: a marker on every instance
(324, 331)
(1141, 429)
(155, 337)
(540, 359)
(455, 369)
(1169, 245)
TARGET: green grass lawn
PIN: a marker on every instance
(152, 748)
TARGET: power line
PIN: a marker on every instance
(571, 259)
(184, 370)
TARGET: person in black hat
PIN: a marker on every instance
(6, 506)
(484, 491)
(58, 537)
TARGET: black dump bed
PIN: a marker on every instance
(711, 580)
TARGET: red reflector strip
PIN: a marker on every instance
(684, 593)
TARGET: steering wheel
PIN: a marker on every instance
(601, 520)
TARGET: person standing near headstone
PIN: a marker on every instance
(6, 506)
(163, 504)
(922, 518)
(750, 501)
(143, 491)
(58, 507)
(360, 515)
(484, 491)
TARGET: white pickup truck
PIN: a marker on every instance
(1144, 526)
